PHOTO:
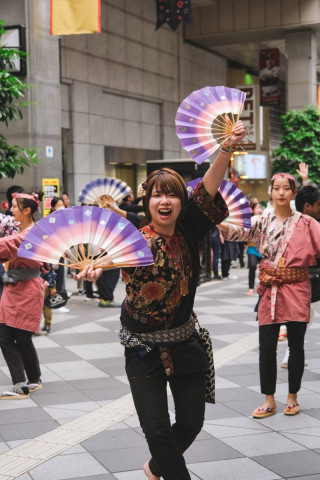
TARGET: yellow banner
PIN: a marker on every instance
(70, 17)
(50, 188)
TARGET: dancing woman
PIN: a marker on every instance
(288, 243)
(21, 303)
(160, 298)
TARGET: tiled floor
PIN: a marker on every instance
(82, 424)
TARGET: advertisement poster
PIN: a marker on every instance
(269, 76)
(249, 117)
(50, 188)
(251, 166)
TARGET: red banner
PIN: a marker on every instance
(269, 76)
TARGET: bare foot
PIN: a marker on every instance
(250, 292)
(148, 472)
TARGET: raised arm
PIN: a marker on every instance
(214, 176)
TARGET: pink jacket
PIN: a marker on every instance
(21, 304)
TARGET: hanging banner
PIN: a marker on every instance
(269, 76)
(50, 188)
(72, 17)
(173, 12)
(249, 116)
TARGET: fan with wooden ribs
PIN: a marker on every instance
(111, 240)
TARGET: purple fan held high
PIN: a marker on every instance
(205, 119)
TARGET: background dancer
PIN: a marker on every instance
(21, 303)
(289, 243)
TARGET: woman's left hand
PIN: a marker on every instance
(238, 133)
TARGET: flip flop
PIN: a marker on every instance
(293, 409)
(261, 412)
(282, 337)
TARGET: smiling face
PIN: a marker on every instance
(282, 192)
(164, 209)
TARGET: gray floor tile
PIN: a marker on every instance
(234, 469)
(262, 444)
(120, 460)
(22, 415)
(309, 477)
(308, 437)
(68, 467)
(207, 450)
(292, 464)
(72, 339)
(110, 393)
(114, 439)
(104, 476)
(56, 398)
(239, 394)
(233, 427)
(219, 411)
(112, 366)
(24, 430)
(237, 369)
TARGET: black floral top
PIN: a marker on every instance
(161, 296)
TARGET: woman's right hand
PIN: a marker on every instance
(89, 273)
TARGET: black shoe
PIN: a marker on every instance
(218, 277)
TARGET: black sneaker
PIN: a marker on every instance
(33, 386)
(46, 330)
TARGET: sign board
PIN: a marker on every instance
(50, 188)
(4, 205)
(249, 117)
(269, 76)
(251, 165)
(49, 151)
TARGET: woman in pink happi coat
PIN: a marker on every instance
(288, 242)
(21, 302)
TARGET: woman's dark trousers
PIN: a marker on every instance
(20, 354)
(268, 340)
(168, 442)
(253, 261)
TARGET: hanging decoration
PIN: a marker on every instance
(173, 12)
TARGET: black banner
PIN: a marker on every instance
(173, 12)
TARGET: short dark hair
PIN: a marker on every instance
(307, 194)
(13, 189)
(165, 180)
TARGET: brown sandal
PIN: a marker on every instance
(261, 412)
(292, 409)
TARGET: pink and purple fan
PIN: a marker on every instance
(105, 232)
(104, 190)
(205, 119)
(238, 205)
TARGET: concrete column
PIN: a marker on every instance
(44, 74)
(301, 49)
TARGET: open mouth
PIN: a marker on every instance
(164, 212)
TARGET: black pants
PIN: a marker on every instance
(107, 283)
(268, 340)
(253, 261)
(168, 442)
(225, 267)
(20, 354)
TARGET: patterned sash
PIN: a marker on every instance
(161, 337)
(281, 275)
